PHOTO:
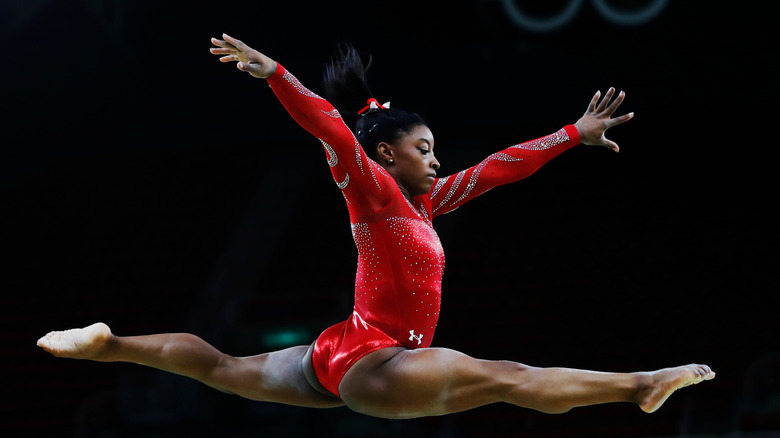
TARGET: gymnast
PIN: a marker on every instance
(379, 361)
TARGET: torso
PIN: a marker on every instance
(399, 272)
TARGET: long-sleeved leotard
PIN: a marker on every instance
(400, 258)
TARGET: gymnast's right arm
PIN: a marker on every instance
(365, 185)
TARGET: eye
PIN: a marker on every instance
(424, 151)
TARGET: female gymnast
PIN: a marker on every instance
(379, 361)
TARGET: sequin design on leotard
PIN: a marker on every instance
(400, 258)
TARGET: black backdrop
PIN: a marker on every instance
(151, 187)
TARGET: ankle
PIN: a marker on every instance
(109, 351)
(643, 387)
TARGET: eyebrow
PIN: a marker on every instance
(425, 140)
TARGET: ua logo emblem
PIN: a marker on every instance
(413, 337)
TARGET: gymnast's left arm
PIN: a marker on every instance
(522, 160)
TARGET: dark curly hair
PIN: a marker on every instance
(347, 89)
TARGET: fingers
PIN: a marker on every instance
(615, 103)
(618, 120)
(611, 145)
(222, 51)
(594, 101)
(614, 122)
(230, 55)
(224, 48)
(605, 108)
(606, 105)
(234, 42)
(228, 46)
(250, 68)
(607, 97)
(222, 44)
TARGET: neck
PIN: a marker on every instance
(405, 192)
(389, 170)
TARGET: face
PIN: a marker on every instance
(410, 161)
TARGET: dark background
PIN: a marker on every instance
(146, 185)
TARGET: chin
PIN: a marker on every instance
(425, 189)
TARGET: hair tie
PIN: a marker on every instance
(373, 104)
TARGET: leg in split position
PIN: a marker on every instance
(399, 383)
(389, 383)
(276, 377)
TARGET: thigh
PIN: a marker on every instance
(401, 383)
(278, 376)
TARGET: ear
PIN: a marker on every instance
(384, 153)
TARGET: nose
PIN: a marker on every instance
(435, 164)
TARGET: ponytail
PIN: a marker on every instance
(345, 80)
(346, 87)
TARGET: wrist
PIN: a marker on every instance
(272, 69)
(575, 133)
(277, 71)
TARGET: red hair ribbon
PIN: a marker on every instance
(373, 104)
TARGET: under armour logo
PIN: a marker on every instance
(413, 337)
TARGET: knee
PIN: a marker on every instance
(510, 375)
(220, 375)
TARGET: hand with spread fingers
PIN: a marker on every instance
(598, 118)
(249, 60)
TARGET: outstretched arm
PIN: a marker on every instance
(522, 160)
(364, 184)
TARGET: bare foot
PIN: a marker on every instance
(83, 343)
(665, 381)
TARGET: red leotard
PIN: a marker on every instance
(400, 258)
